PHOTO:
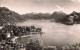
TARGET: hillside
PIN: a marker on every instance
(8, 16)
(73, 18)
(58, 16)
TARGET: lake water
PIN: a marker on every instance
(55, 33)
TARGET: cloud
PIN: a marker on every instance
(2, 1)
(26, 6)
(60, 8)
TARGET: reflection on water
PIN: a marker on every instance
(55, 33)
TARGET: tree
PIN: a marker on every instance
(34, 45)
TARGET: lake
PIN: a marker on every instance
(55, 33)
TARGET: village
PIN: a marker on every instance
(9, 33)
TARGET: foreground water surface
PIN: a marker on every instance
(55, 33)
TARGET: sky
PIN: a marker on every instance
(44, 6)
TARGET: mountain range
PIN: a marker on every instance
(55, 15)
(9, 16)
(72, 18)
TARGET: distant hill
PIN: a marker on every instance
(36, 16)
(8, 16)
(58, 16)
(69, 19)
(55, 15)
(73, 18)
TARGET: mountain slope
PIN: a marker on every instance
(73, 18)
(8, 16)
(58, 16)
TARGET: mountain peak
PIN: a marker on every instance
(73, 13)
(58, 12)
